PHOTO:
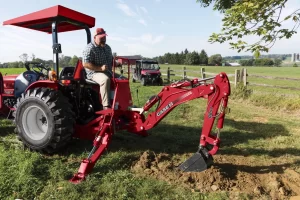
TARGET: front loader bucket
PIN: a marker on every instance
(198, 162)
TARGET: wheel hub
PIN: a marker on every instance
(35, 122)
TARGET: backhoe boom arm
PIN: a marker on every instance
(175, 94)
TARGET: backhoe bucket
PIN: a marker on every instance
(198, 162)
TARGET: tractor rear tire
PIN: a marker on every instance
(44, 120)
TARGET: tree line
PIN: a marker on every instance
(194, 58)
(64, 61)
(187, 57)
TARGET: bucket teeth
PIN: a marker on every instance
(198, 162)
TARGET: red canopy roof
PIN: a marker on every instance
(42, 20)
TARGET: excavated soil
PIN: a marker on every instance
(233, 174)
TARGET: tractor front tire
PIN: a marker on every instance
(143, 81)
(44, 120)
(160, 82)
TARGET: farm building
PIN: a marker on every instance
(231, 64)
(132, 59)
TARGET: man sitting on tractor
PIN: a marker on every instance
(97, 61)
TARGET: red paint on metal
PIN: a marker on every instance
(42, 20)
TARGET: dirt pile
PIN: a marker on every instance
(229, 173)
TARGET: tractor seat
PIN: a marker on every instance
(88, 81)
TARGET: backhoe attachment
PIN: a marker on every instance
(198, 162)
(133, 120)
(216, 94)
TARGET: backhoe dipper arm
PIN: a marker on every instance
(171, 96)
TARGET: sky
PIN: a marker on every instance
(149, 28)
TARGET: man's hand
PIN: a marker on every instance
(104, 68)
(95, 68)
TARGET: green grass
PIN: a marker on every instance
(286, 99)
(9, 71)
(256, 129)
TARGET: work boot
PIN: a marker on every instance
(106, 107)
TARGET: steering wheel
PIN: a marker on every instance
(37, 65)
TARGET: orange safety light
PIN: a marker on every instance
(52, 75)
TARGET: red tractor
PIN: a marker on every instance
(50, 108)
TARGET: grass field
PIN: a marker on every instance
(258, 159)
(271, 97)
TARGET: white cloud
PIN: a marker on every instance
(16, 41)
(148, 39)
(142, 22)
(126, 9)
(118, 39)
(144, 9)
(137, 10)
(137, 48)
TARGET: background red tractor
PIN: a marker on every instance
(50, 107)
(147, 72)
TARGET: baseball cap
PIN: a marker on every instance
(100, 32)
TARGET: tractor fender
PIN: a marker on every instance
(1, 90)
(45, 84)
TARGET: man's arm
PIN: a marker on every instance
(93, 67)
(88, 57)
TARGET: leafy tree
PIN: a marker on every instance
(73, 61)
(262, 18)
(192, 58)
(215, 59)
(203, 58)
(13, 64)
(39, 60)
(264, 62)
(161, 60)
(182, 57)
(177, 58)
(32, 57)
(168, 57)
(64, 60)
(277, 62)
(24, 57)
(248, 62)
(186, 51)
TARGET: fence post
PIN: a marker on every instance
(184, 73)
(202, 73)
(237, 77)
(245, 77)
(168, 75)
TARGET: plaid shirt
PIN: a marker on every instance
(98, 56)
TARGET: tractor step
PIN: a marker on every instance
(198, 162)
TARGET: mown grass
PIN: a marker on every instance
(253, 129)
(271, 97)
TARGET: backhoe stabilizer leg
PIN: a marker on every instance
(198, 162)
(87, 165)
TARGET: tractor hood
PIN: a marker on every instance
(10, 78)
(149, 71)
